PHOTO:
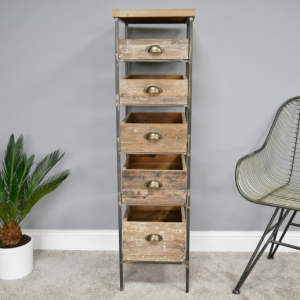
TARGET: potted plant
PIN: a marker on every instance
(20, 190)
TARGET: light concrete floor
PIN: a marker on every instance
(88, 275)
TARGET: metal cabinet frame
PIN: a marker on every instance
(188, 113)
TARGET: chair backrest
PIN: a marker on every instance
(283, 144)
(276, 164)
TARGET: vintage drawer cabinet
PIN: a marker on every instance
(154, 182)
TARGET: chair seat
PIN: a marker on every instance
(285, 197)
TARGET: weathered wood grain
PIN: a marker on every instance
(154, 210)
(153, 100)
(153, 197)
(171, 180)
(173, 245)
(169, 170)
(135, 49)
(172, 87)
(147, 16)
(174, 135)
(156, 117)
(147, 257)
(175, 89)
(155, 162)
(174, 138)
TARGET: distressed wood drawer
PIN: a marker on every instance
(153, 89)
(155, 132)
(166, 221)
(154, 179)
(140, 49)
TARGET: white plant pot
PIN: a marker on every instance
(16, 263)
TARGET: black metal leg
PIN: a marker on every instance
(255, 257)
(272, 253)
(188, 111)
(261, 240)
(187, 274)
(120, 248)
(274, 238)
(187, 277)
(121, 277)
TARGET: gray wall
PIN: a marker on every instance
(57, 88)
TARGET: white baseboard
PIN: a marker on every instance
(205, 241)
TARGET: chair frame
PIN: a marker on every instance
(271, 227)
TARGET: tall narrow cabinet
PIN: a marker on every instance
(154, 182)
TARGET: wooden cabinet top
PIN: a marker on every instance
(147, 16)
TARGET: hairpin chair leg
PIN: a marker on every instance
(272, 252)
(255, 257)
(275, 236)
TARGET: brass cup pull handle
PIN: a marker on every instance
(155, 49)
(153, 184)
(153, 89)
(153, 136)
(154, 237)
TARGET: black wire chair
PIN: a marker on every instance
(271, 176)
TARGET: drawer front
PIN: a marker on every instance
(136, 49)
(172, 190)
(153, 100)
(132, 138)
(174, 91)
(150, 197)
(171, 248)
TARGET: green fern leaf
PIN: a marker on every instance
(42, 190)
(13, 155)
(22, 172)
(42, 170)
